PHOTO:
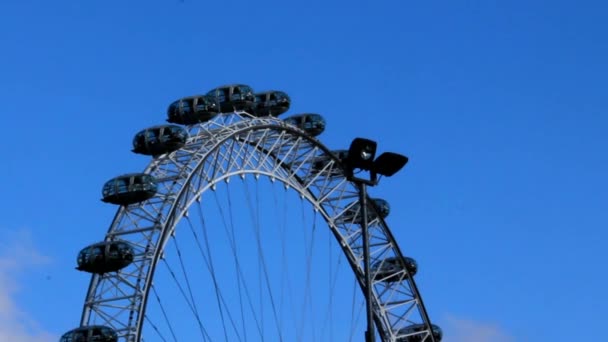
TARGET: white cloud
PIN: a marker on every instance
(17, 255)
(467, 330)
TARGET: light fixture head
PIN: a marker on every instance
(389, 163)
(361, 154)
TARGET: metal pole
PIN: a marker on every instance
(370, 334)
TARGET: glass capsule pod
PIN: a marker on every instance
(271, 103)
(311, 123)
(233, 97)
(91, 333)
(129, 189)
(437, 333)
(192, 110)
(320, 163)
(352, 214)
(104, 257)
(389, 269)
(159, 140)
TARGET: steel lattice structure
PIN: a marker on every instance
(234, 145)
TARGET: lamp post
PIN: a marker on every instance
(361, 156)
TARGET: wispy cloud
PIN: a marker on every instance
(466, 330)
(17, 255)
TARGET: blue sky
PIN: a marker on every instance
(500, 105)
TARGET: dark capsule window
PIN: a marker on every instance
(129, 189)
(104, 257)
(271, 103)
(313, 124)
(353, 214)
(159, 140)
(391, 269)
(382, 207)
(412, 329)
(410, 265)
(93, 333)
(233, 97)
(437, 332)
(321, 162)
(192, 110)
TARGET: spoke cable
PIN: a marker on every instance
(183, 293)
(354, 321)
(194, 307)
(309, 244)
(162, 309)
(154, 327)
(209, 267)
(237, 266)
(285, 278)
(240, 275)
(218, 294)
(333, 278)
(310, 275)
(261, 253)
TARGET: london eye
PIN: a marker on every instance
(246, 227)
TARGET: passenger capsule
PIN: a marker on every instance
(233, 97)
(91, 333)
(311, 123)
(192, 110)
(129, 189)
(390, 269)
(321, 162)
(412, 329)
(271, 103)
(353, 213)
(104, 257)
(159, 140)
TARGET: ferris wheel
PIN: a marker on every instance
(175, 264)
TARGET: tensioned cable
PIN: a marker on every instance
(309, 244)
(205, 259)
(155, 329)
(263, 259)
(310, 273)
(218, 292)
(260, 275)
(261, 293)
(284, 267)
(352, 313)
(218, 295)
(196, 313)
(281, 226)
(239, 273)
(354, 322)
(261, 254)
(183, 293)
(303, 319)
(162, 309)
(240, 277)
(333, 278)
(236, 258)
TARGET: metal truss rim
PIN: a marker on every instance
(276, 126)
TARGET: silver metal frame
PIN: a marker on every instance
(234, 145)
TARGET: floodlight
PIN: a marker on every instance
(389, 163)
(361, 154)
